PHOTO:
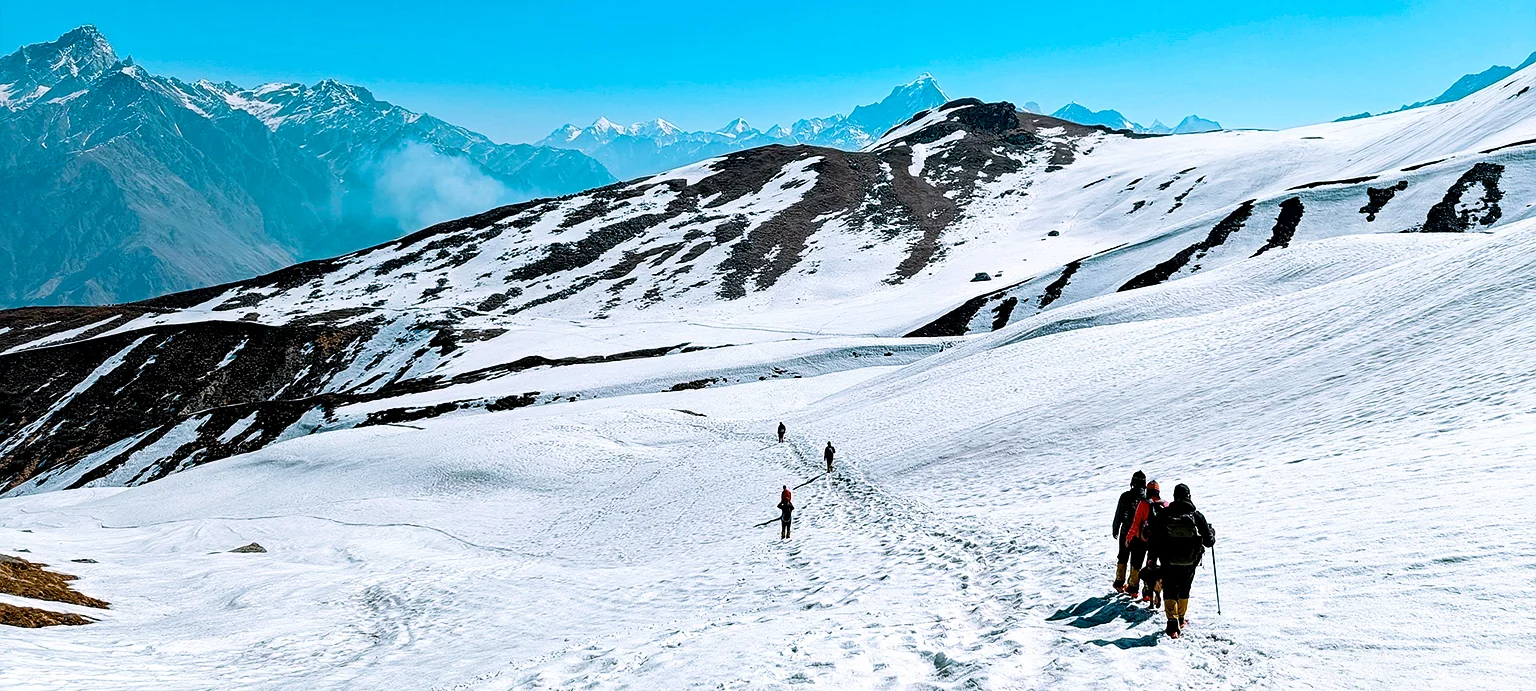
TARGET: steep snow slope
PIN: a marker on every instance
(1357, 444)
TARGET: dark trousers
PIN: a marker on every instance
(784, 529)
(1138, 553)
(1177, 581)
(1124, 555)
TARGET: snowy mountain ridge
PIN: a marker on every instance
(1463, 87)
(646, 148)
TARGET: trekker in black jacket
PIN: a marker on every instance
(1124, 512)
(1180, 536)
(828, 454)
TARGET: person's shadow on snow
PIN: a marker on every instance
(1098, 611)
(1127, 643)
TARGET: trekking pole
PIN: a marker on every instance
(1216, 578)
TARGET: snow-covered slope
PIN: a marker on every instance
(755, 247)
(1358, 445)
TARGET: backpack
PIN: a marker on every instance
(1181, 540)
(1144, 531)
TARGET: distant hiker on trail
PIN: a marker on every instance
(1143, 557)
(785, 509)
(782, 430)
(1125, 511)
(828, 454)
(1180, 536)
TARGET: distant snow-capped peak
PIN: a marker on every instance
(604, 125)
(653, 128)
(736, 127)
(1083, 115)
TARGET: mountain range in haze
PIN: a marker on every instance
(119, 185)
(1075, 112)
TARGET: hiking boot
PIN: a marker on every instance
(1173, 627)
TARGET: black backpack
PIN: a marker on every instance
(1181, 540)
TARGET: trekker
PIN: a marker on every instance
(1180, 536)
(828, 454)
(1143, 557)
(1125, 510)
(782, 430)
(785, 509)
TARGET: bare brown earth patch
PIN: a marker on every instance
(33, 618)
(30, 580)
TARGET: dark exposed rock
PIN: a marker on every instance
(1511, 145)
(695, 384)
(512, 402)
(1325, 183)
(1285, 225)
(252, 548)
(1447, 217)
(1425, 164)
(1218, 235)
(1378, 198)
(1002, 312)
(1053, 291)
(956, 322)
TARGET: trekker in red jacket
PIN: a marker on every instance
(785, 509)
(1143, 559)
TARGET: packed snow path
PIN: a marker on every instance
(873, 590)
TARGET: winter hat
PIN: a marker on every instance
(1138, 479)
(1181, 492)
(1152, 489)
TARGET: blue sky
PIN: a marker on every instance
(517, 70)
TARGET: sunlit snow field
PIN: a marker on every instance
(1357, 428)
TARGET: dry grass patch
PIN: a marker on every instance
(30, 580)
(33, 618)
